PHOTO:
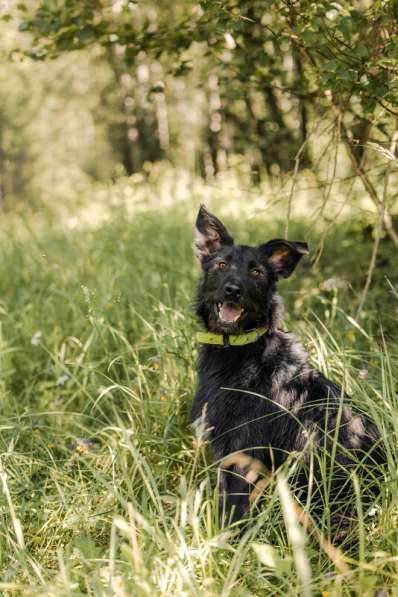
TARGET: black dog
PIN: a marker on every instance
(258, 397)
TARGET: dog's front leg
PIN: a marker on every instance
(233, 495)
(241, 480)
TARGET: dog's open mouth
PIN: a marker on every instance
(230, 312)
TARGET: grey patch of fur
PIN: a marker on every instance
(276, 311)
(356, 431)
(290, 368)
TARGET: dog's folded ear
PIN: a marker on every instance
(211, 234)
(283, 255)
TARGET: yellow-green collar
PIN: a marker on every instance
(230, 339)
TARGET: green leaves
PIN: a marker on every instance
(303, 49)
(345, 26)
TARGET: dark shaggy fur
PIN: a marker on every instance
(265, 399)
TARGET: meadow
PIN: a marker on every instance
(103, 491)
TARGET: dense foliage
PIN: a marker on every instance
(207, 84)
(301, 49)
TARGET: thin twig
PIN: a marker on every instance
(293, 185)
(367, 183)
(346, 202)
(321, 244)
(328, 189)
(378, 229)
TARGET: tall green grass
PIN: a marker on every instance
(103, 491)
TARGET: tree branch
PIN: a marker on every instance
(367, 183)
(378, 229)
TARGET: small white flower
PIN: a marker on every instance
(332, 284)
(332, 14)
(229, 41)
(35, 340)
(61, 381)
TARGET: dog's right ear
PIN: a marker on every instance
(284, 255)
(211, 234)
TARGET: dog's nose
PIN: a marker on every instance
(232, 291)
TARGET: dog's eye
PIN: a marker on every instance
(222, 264)
(256, 273)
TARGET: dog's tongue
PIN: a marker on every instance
(229, 312)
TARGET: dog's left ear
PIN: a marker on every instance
(284, 255)
(211, 234)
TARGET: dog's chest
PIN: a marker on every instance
(231, 398)
(222, 371)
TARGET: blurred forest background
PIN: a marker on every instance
(101, 89)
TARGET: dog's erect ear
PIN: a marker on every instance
(211, 234)
(284, 255)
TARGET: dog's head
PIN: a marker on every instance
(238, 288)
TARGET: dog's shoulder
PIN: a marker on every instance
(285, 355)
